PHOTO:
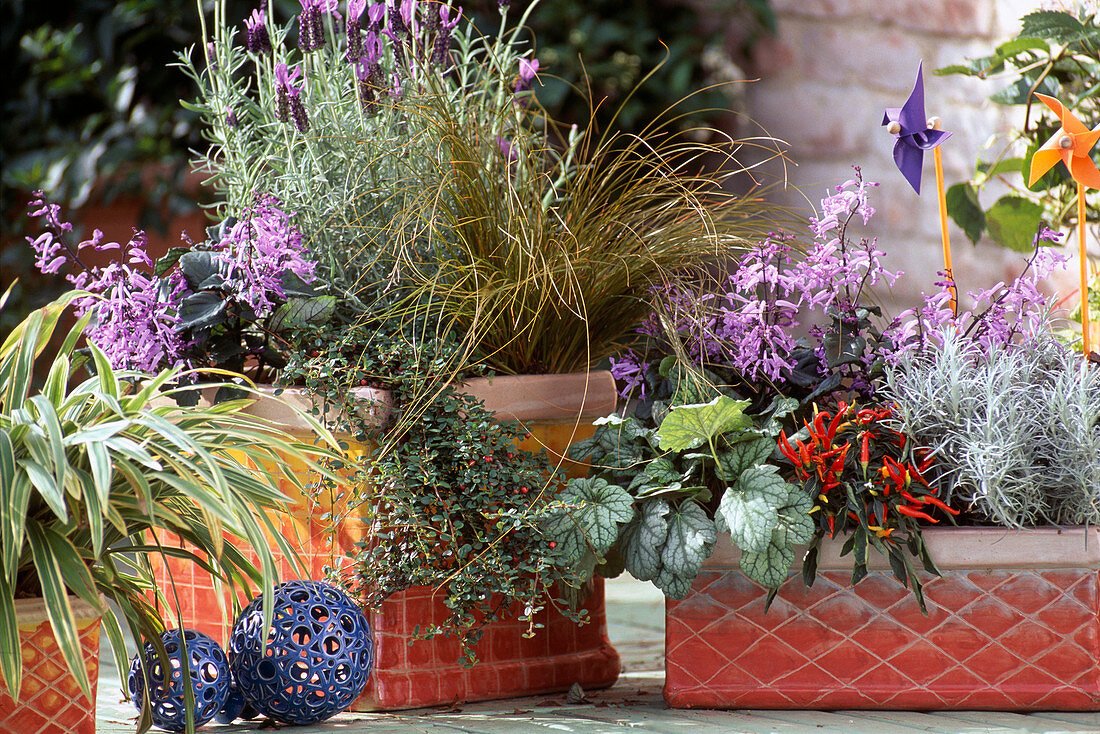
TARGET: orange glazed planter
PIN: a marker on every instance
(1013, 624)
(556, 410)
(50, 701)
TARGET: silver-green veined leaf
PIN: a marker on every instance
(768, 567)
(691, 536)
(690, 426)
(641, 539)
(744, 455)
(795, 522)
(54, 437)
(587, 517)
(749, 509)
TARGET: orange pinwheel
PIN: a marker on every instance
(1071, 145)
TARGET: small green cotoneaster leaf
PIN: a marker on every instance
(690, 426)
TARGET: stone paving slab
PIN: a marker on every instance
(634, 704)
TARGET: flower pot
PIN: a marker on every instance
(50, 699)
(556, 410)
(1013, 624)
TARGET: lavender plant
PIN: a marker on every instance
(334, 123)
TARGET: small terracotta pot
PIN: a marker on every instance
(50, 699)
(1013, 624)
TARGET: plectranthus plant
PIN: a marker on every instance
(227, 302)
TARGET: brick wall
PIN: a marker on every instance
(824, 83)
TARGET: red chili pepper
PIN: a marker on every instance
(803, 451)
(832, 525)
(865, 449)
(818, 430)
(926, 462)
(914, 512)
(940, 504)
(911, 498)
(786, 449)
(833, 424)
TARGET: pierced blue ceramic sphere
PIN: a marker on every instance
(209, 672)
(318, 658)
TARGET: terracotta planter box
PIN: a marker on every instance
(1013, 625)
(50, 699)
(556, 410)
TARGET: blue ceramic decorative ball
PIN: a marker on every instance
(318, 658)
(209, 672)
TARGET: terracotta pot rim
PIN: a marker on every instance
(961, 548)
(572, 397)
(32, 611)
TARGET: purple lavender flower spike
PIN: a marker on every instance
(375, 14)
(528, 68)
(256, 39)
(441, 52)
(354, 28)
(310, 33)
(912, 136)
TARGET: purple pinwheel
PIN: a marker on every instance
(912, 133)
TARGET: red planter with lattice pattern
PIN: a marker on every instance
(50, 701)
(1013, 624)
(556, 410)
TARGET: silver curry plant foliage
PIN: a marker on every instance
(643, 507)
(1016, 430)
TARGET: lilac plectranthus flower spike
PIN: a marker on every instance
(258, 250)
(256, 38)
(912, 135)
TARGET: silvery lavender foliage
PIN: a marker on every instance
(1016, 431)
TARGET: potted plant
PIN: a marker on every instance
(840, 450)
(89, 467)
(376, 131)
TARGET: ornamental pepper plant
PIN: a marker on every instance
(867, 482)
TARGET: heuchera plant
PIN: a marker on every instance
(225, 303)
